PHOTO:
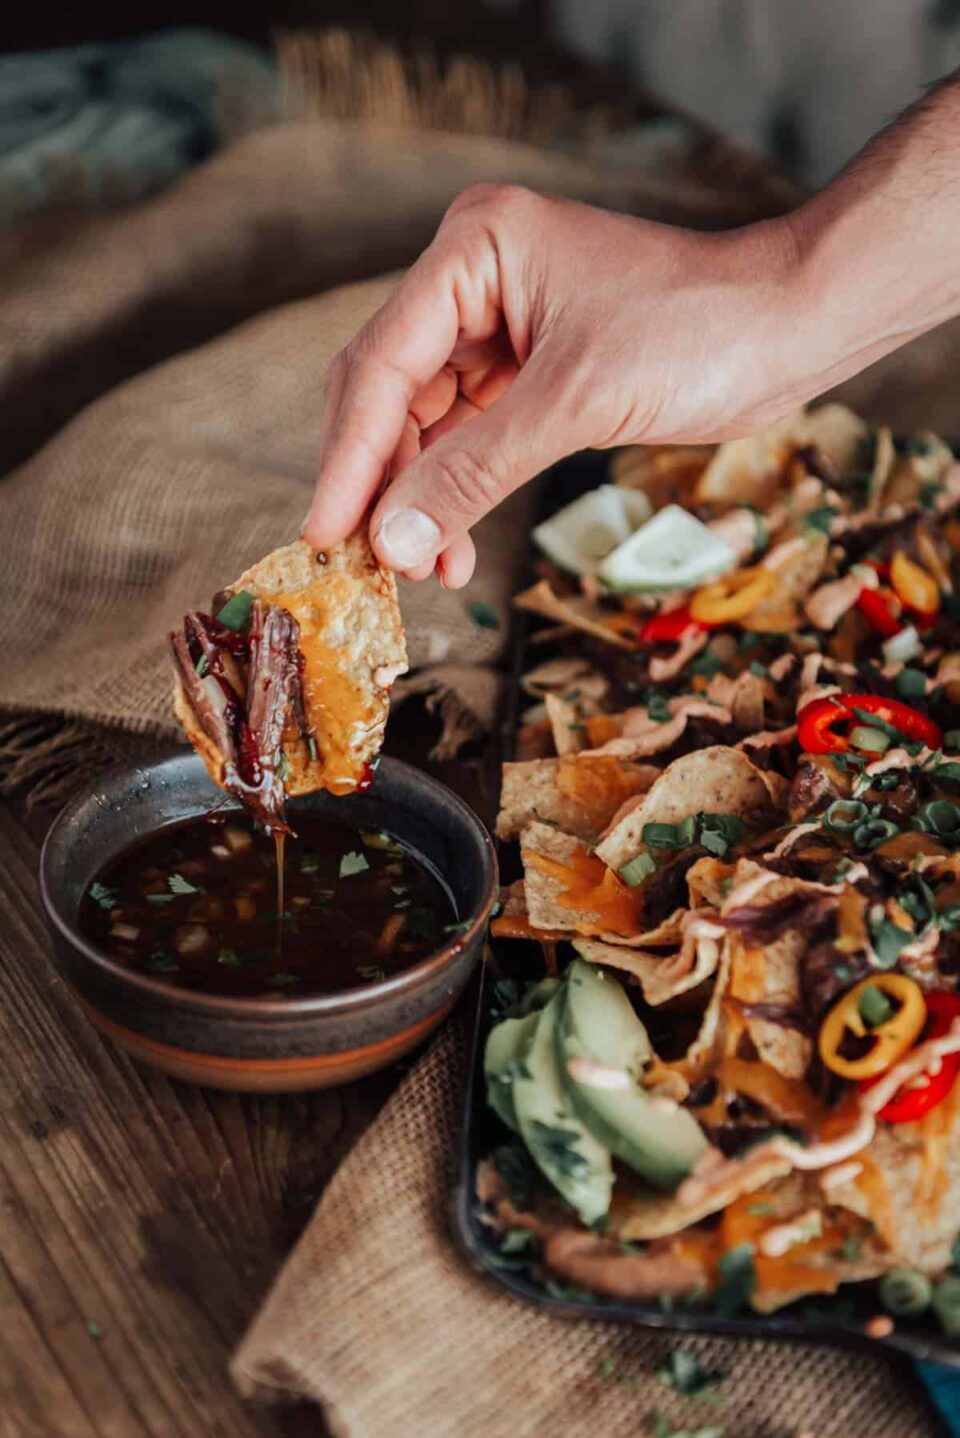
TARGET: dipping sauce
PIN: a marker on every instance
(196, 905)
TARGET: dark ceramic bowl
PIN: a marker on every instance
(268, 1045)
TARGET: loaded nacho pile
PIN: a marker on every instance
(737, 801)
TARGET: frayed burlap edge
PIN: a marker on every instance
(46, 758)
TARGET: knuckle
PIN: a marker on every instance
(468, 486)
(495, 199)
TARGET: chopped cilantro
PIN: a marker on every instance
(103, 895)
(758, 670)
(761, 1210)
(518, 1240)
(483, 615)
(851, 1248)
(160, 898)
(888, 939)
(235, 614)
(819, 520)
(162, 962)
(283, 766)
(229, 958)
(177, 884)
(557, 1147)
(94, 1329)
(706, 664)
(282, 981)
(929, 494)
(658, 706)
(352, 863)
(685, 1373)
(737, 1279)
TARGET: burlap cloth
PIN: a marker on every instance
(166, 486)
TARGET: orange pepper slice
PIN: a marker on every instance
(913, 584)
(732, 597)
(891, 1038)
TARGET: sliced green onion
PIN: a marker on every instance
(844, 815)
(910, 684)
(874, 1006)
(873, 833)
(946, 1305)
(906, 1293)
(941, 817)
(865, 737)
(635, 870)
(719, 832)
(670, 836)
(235, 614)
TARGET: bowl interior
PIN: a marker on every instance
(131, 803)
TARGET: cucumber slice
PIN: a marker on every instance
(657, 1138)
(560, 1145)
(673, 550)
(581, 535)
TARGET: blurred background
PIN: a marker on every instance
(805, 84)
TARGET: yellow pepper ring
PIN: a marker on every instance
(913, 584)
(731, 597)
(891, 1039)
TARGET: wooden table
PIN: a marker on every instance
(141, 1220)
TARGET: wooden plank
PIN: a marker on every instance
(141, 1220)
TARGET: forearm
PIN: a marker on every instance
(879, 248)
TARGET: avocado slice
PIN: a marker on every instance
(505, 1042)
(501, 1057)
(658, 1138)
(558, 1142)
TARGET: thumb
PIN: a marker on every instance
(465, 473)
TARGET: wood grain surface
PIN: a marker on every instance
(142, 1220)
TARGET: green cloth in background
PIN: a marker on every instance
(106, 124)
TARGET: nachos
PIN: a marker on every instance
(284, 688)
(736, 797)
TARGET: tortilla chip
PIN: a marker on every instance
(838, 433)
(636, 1215)
(715, 780)
(663, 977)
(578, 794)
(559, 676)
(771, 975)
(574, 610)
(909, 1186)
(567, 888)
(353, 647)
(666, 474)
(750, 471)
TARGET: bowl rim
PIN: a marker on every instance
(225, 1006)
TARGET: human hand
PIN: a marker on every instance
(534, 327)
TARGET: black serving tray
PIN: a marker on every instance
(838, 1320)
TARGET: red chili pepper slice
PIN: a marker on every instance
(925, 1092)
(817, 723)
(669, 628)
(875, 608)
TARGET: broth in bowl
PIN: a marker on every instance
(220, 906)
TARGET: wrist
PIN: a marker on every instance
(864, 282)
